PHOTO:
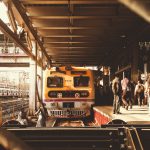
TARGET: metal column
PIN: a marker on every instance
(32, 89)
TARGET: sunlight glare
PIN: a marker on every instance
(3, 13)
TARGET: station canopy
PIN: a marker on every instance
(81, 32)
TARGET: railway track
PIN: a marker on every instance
(73, 123)
(68, 123)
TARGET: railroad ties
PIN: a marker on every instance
(69, 123)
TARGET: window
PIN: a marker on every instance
(81, 81)
(54, 82)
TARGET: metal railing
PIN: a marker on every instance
(122, 138)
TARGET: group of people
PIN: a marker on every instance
(125, 91)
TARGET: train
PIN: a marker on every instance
(68, 91)
(13, 92)
(11, 85)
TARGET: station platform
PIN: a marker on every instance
(136, 115)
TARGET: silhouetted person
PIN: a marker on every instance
(129, 93)
(147, 91)
(42, 116)
(116, 89)
(139, 92)
(22, 117)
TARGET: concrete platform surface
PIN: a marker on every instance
(136, 115)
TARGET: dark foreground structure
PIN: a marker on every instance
(109, 137)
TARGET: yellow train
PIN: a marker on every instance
(68, 92)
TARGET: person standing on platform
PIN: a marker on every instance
(147, 91)
(124, 83)
(129, 93)
(116, 89)
(139, 92)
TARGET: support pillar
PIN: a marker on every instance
(39, 85)
(145, 69)
(134, 64)
(1, 120)
(32, 87)
(123, 75)
(148, 66)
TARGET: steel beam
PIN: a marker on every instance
(58, 42)
(66, 28)
(75, 36)
(14, 65)
(65, 2)
(28, 24)
(5, 29)
(139, 7)
(70, 55)
(12, 18)
(75, 60)
(77, 52)
(84, 17)
(74, 47)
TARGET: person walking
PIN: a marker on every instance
(116, 89)
(129, 94)
(124, 83)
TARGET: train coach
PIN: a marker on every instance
(68, 92)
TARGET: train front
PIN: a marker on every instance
(68, 93)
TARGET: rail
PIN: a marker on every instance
(129, 139)
(69, 123)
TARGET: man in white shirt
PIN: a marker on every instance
(124, 83)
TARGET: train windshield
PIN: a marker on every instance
(54, 82)
(81, 81)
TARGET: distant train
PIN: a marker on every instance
(10, 91)
(14, 84)
(68, 92)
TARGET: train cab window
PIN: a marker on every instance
(54, 82)
(81, 81)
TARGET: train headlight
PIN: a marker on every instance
(77, 95)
